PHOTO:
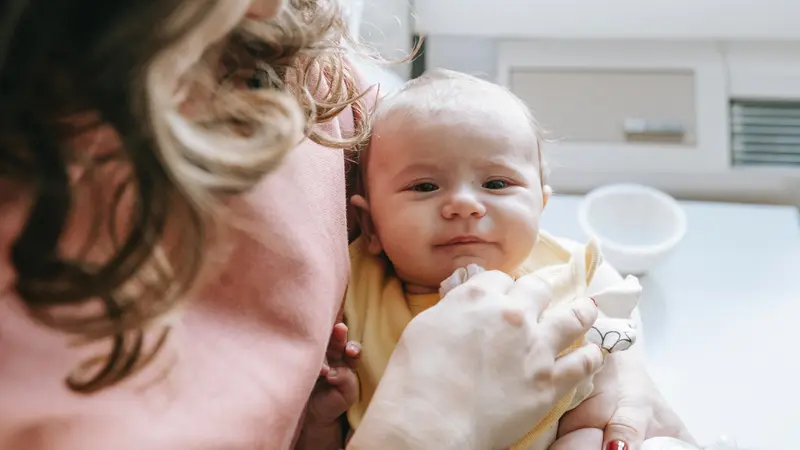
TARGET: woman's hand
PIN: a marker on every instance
(624, 410)
(479, 368)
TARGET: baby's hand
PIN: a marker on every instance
(337, 387)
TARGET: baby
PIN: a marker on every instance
(453, 178)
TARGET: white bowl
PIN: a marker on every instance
(637, 226)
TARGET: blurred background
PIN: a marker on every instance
(698, 98)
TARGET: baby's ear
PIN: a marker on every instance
(365, 223)
(547, 191)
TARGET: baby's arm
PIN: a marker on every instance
(320, 437)
(334, 393)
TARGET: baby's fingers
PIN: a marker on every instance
(337, 342)
(344, 380)
(352, 353)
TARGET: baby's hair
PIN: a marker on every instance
(68, 68)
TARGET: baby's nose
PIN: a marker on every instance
(463, 205)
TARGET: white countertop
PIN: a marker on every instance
(721, 320)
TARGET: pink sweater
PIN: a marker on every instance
(249, 345)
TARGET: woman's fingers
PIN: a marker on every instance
(567, 323)
(633, 422)
(575, 367)
(584, 438)
(479, 283)
(453, 281)
(627, 426)
(532, 294)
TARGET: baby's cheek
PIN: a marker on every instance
(519, 209)
(406, 224)
(403, 237)
(520, 238)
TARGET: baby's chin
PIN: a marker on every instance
(485, 263)
(430, 279)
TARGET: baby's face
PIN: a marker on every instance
(448, 192)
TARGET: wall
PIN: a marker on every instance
(617, 19)
(473, 55)
(387, 26)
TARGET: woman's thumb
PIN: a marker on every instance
(625, 430)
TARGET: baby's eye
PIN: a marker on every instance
(424, 187)
(495, 184)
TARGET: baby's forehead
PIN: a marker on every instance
(501, 128)
(449, 140)
(426, 114)
(486, 114)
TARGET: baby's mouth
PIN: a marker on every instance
(463, 240)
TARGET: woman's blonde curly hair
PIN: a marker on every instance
(158, 191)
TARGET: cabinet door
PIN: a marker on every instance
(624, 106)
(607, 106)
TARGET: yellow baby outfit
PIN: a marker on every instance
(377, 311)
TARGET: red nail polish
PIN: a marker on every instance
(617, 445)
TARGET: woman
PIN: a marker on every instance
(135, 137)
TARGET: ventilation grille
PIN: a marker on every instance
(765, 133)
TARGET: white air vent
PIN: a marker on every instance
(765, 133)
